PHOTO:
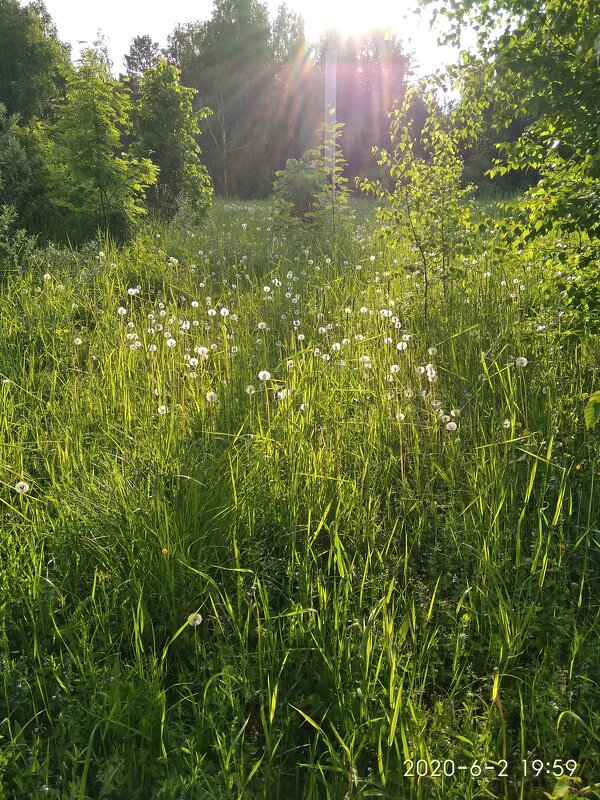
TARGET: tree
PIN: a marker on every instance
(23, 178)
(287, 36)
(541, 61)
(228, 60)
(164, 127)
(426, 205)
(90, 175)
(144, 54)
(372, 74)
(34, 64)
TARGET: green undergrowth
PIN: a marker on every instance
(226, 584)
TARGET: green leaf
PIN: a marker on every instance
(592, 410)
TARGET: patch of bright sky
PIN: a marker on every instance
(121, 20)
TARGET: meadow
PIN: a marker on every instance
(270, 531)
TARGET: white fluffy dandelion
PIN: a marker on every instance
(264, 375)
(162, 410)
(21, 487)
(431, 373)
(521, 361)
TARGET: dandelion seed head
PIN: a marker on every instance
(162, 410)
(21, 487)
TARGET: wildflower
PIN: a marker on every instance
(21, 487)
(194, 620)
(303, 406)
(394, 369)
(77, 340)
(211, 397)
(282, 394)
(133, 291)
(212, 312)
(47, 276)
(402, 345)
(162, 410)
(121, 311)
(164, 551)
(193, 362)
(521, 361)
(250, 389)
(171, 342)
(400, 416)
(506, 423)
(455, 412)
(432, 351)
(451, 426)
(264, 375)
(431, 373)
(224, 312)
(262, 326)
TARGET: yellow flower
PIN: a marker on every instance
(164, 551)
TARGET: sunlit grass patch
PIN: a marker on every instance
(279, 537)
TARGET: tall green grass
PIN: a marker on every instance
(291, 590)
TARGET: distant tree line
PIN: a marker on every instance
(81, 149)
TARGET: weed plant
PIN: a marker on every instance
(267, 535)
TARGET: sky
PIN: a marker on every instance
(121, 20)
